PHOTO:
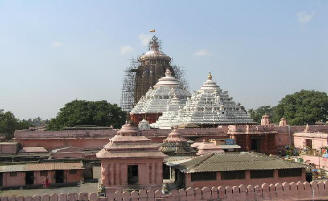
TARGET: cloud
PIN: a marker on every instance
(56, 44)
(145, 38)
(304, 17)
(202, 52)
(126, 49)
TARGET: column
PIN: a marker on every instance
(153, 181)
(248, 142)
(275, 174)
(150, 172)
(266, 144)
(111, 174)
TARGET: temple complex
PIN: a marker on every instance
(152, 67)
(208, 141)
(209, 106)
(131, 161)
(157, 99)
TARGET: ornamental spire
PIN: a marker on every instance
(154, 44)
(209, 76)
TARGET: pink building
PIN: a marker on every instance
(131, 161)
(309, 140)
(36, 174)
(314, 145)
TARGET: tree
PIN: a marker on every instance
(257, 114)
(8, 124)
(303, 107)
(81, 112)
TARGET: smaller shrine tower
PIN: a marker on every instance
(131, 161)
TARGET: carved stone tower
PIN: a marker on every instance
(152, 66)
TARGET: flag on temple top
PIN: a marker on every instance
(153, 30)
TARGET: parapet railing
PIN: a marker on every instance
(279, 191)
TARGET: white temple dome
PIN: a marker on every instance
(144, 125)
(168, 80)
(157, 99)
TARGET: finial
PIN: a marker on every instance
(209, 76)
(168, 73)
(154, 44)
(307, 128)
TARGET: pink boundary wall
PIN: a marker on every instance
(278, 191)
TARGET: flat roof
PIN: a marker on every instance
(41, 167)
(234, 161)
(33, 150)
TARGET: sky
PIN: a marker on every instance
(53, 52)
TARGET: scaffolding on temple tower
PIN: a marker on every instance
(128, 88)
(144, 73)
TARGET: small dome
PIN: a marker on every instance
(168, 80)
(176, 145)
(209, 83)
(144, 125)
(128, 130)
(175, 136)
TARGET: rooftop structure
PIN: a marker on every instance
(157, 99)
(208, 147)
(176, 145)
(208, 106)
(33, 150)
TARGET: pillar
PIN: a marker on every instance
(248, 142)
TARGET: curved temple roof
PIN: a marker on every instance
(154, 51)
(128, 143)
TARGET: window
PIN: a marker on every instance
(203, 176)
(233, 175)
(44, 173)
(290, 172)
(13, 174)
(261, 173)
(72, 171)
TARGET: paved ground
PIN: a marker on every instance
(87, 188)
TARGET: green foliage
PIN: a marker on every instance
(303, 107)
(8, 124)
(300, 108)
(257, 114)
(81, 112)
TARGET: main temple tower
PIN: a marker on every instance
(152, 66)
